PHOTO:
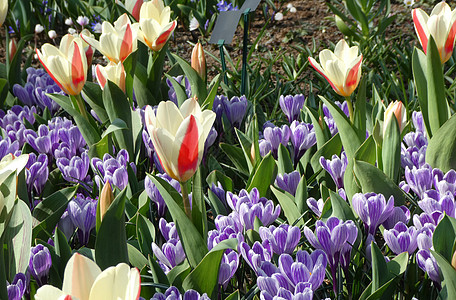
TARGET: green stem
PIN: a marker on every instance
(187, 208)
(350, 109)
(81, 106)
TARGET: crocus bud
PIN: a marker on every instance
(106, 198)
(395, 108)
(199, 60)
(12, 49)
(113, 72)
(3, 11)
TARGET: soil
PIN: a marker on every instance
(312, 21)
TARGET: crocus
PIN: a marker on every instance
(82, 212)
(173, 293)
(199, 60)
(67, 65)
(291, 106)
(428, 264)
(419, 180)
(234, 109)
(342, 68)
(17, 288)
(40, 263)
(3, 11)
(372, 209)
(336, 168)
(112, 72)
(228, 267)
(288, 182)
(84, 280)
(434, 201)
(397, 109)
(440, 25)
(256, 255)
(178, 135)
(170, 255)
(283, 239)
(116, 42)
(401, 238)
(154, 23)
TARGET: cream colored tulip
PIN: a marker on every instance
(113, 72)
(84, 280)
(342, 68)
(178, 135)
(441, 24)
(67, 65)
(154, 23)
(8, 165)
(133, 7)
(396, 109)
(3, 11)
(116, 42)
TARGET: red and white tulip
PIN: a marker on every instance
(178, 135)
(342, 68)
(84, 280)
(113, 72)
(155, 25)
(441, 25)
(116, 42)
(67, 65)
(134, 6)
(396, 109)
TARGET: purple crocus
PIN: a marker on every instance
(66, 225)
(15, 114)
(42, 140)
(288, 182)
(17, 288)
(154, 194)
(112, 169)
(424, 219)
(40, 263)
(336, 168)
(228, 266)
(223, 5)
(291, 106)
(82, 211)
(37, 172)
(419, 180)
(303, 291)
(75, 169)
(234, 109)
(172, 93)
(335, 238)
(170, 255)
(428, 264)
(401, 238)
(228, 227)
(413, 157)
(302, 138)
(219, 192)
(7, 146)
(256, 255)
(168, 230)
(283, 239)
(172, 293)
(372, 209)
(306, 268)
(444, 182)
(434, 201)
(399, 214)
(275, 136)
(315, 206)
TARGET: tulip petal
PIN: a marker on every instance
(48, 292)
(420, 19)
(119, 282)
(80, 274)
(189, 150)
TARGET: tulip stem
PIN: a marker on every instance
(81, 106)
(187, 208)
(350, 109)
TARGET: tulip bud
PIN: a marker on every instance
(397, 109)
(199, 60)
(12, 49)
(106, 198)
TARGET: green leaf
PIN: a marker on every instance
(437, 104)
(157, 272)
(137, 259)
(18, 237)
(288, 206)
(117, 124)
(284, 163)
(198, 86)
(419, 67)
(367, 151)
(234, 296)
(208, 103)
(444, 237)
(339, 208)
(100, 148)
(264, 175)
(118, 107)
(177, 274)
(380, 274)
(94, 97)
(112, 235)
(204, 278)
(441, 150)
(360, 110)
(322, 135)
(371, 179)
(62, 250)
(391, 150)
(236, 155)
(217, 176)
(192, 241)
(246, 145)
(3, 91)
(301, 195)
(348, 135)
(449, 277)
(198, 205)
(48, 212)
(181, 94)
(145, 231)
(154, 76)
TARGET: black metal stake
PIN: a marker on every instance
(244, 51)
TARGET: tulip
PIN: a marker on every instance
(106, 198)
(12, 48)
(199, 60)
(3, 11)
(178, 135)
(397, 109)
(440, 25)
(113, 72)
(116, 42)
(10, 164)
(84, 280)
(342, 68)
(67, 65)
(89, 50)
(133, 7)
(155, 27)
